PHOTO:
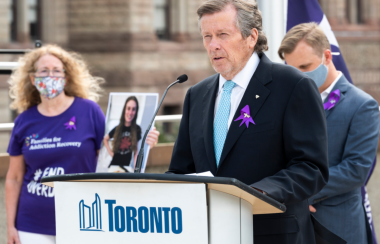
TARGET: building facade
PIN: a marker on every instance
(143, 45)
(356, 24)
(137, 46)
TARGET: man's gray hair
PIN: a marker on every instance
(248, 17)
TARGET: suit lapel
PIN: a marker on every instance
(256, 86)
(208, 120)
(342, 85)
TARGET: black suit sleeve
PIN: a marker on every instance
(182, 161)
(305, 145)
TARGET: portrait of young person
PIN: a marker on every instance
(352, 118)
(59, 131)
(122, 141)
(125, 136)
(256, 121)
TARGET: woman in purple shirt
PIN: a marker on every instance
(59, 131)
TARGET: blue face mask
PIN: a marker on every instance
(318, 75)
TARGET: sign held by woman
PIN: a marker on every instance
(128, 114)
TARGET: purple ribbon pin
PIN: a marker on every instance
(333, 99)
(245, 115)
(71, 124)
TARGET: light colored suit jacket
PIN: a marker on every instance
(353, 134)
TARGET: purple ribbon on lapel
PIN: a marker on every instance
(245, 115)
(333, 99)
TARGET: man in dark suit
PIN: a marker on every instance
(256, 121)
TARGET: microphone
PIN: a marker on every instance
(140, 157)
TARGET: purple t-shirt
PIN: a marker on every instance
(62, 144)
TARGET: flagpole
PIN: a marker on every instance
(285, 4)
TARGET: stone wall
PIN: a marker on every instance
(4, 21)
(55, 21)
(363, 60)
(119, 43)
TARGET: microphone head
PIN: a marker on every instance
(182, 78)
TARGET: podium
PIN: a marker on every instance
(155, 208)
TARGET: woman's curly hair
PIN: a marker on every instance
(79, 81)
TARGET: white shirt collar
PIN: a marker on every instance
(326, 92)
(243, 78)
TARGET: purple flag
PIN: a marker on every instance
(305, 11)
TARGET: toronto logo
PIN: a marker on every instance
(129, 219)
(90, 217)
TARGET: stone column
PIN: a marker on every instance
(336, 12)
(141, 28)
(178, 20)
(323, 4)
(4, 21)
(111, 26)
(352, 7)
(54, 21)
(371, 10)
(23, 32)
(192, 19)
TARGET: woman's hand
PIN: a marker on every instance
(13, 236)
(152, 137)
(13, 183)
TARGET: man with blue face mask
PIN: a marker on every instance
(353, 132)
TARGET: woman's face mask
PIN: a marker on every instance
(50, 86)
(318, 75)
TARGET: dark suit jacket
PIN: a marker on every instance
(283, 154)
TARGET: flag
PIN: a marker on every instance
(305, 11)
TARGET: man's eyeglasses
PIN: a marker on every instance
(47, 72)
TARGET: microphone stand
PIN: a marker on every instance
(140, 156)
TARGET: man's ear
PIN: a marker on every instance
(253, 38)
(328, 57)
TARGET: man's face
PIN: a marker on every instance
(227, 50)
(303, 57)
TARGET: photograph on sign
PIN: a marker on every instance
(127, 119)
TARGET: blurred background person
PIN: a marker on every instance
(353, 130)
(59, 131)
(125, 136)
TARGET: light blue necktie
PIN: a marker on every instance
(221, 120)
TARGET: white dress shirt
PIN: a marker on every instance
(326, 92)
(241, 80)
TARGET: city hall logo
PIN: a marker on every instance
(130, 219)
(90, 217)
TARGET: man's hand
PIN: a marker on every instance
(312, 209)
(152, 137)
(263, 192)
